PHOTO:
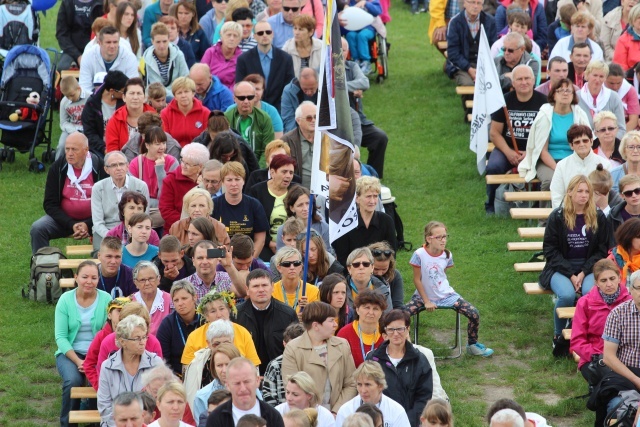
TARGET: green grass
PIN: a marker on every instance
(433, 176)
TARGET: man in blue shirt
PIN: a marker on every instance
(282, 23)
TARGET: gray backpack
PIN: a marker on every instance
(501, 206)
(44, 285)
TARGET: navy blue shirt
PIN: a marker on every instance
(120, 285)
(172, 334)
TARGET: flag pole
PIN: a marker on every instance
(306, 246)
(513, 138)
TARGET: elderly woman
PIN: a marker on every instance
(583, 161)
(213, 307)
(363, 334)
(302, 393)
(275, 147)
(157, 302)
(131, 202)
(384, 268)
(238, 212)
(172, 404)
(80, 314)
(122, 370)
(297, 204)
(289, 264)
(185, 13)
(197, 203)
(185, 117)
(547, 143)
(304, 48)
(360, 276)
(630, 151)
(577, 235)
(223, 56)
(330, 369)
(627, 50)
(582, 31)
(271, 195)
(135, 145)
(606, 144)
(180, 181)
(370, 382)
(407, 370)
(613, 25)
(124, 121)
(175, 328)
(373, 226)
(320, 262)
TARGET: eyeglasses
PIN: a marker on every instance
(138, 339)
(287, 264)
(290, 9)
(633, 147)
(310, 118)
(245, 97)
(607, 129)
(444, 236)
(380, 252)
(149, 280)
(581, 141)
(361, 263)
(565, 91)
(629, 193)
(303, 236)
(508, 50)
(391, 331)
(117, 165)
(182, 162)
(262, 33)
(211, 181)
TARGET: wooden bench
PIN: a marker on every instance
(79, 250)
(84, 417)
(465, 90)
(530, 213)
(536, 289)
(83, 393)
(524, 246)
(531, 232)
(73, 263)
(75, 73)
(527, 196)
(565, 312)
(528, 267)
(68, 283)
(566, 334)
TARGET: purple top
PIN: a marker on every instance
(224, 69)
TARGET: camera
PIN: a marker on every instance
(216, 253)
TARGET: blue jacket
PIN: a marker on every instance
(538, 22)
(554, 33)
(458, 41)
(219, 97)
(371, 6)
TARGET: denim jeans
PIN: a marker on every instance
(71, 377)
(566, 296)
(498, 164)
(359, 43)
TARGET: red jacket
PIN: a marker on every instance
(116, 135)
(627, 52)
(588, 323)
(174, 187)
(184, 128)
(348, 333)
(91, 369)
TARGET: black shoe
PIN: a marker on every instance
(560, 347)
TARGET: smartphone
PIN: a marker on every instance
(216, 253)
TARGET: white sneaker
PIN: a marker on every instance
(478, 349)
(366, 67)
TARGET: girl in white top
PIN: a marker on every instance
(370, 381)
(171, 402)
(432, 286)
(301, 393)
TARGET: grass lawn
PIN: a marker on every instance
(433, 176)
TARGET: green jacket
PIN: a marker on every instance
(260, 131)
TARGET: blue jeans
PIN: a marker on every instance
(359, 43)
(497, 165)
(71, 377)
(566, 296)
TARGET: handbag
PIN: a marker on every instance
(156, 219)
(596, 370)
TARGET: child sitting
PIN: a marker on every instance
(71, 108)
(519, 22)
(437, 413)
(433, 289)
(157, 96)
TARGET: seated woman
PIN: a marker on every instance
(139, 249)
(197, 203)
(583, 161)
(122, 370)
(602, 194)
(320, 263)
(304, 48)
(363, 334)
(185, 115)
(131, 202)
(289, 264)
(370, 382)
(616, 81)
(225, 147)
(332, 367)
(157, 302)
(219, 306)
(334, 292)
(172, 404)
(407, 370)
(575, 238)
(591, 313)
(360, 277)
(277, 146)
(607, 145)
(302, 393)
(127, 22)
(164, 61)
(199, 229)
(258, 83)
(80, 313)
(291, 229)
(547, 143)
(626, 253)
(154, 379)
(124, 121)
(630, 152)
(627, 50)
(223, 56)
(190, 31)
(613, 25)
(582, 31)
(135, 145)
(297, 204)
(384, 268)
(178, 182)
(359, 40)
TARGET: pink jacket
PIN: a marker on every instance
(159, 310)
(90, 364)
(109, 345)
(627, 52)
(588, 323)
(224, 68)
(315, 6)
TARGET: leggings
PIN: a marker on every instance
(460, 306)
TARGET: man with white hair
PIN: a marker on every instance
(506, 418)
(300, 140)
(514, 54)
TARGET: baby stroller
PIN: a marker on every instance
(27, 69)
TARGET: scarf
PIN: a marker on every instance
(610, 299)
(84, 174)
(632, 33)
(628, 265)
(622, 92)
(595, 105)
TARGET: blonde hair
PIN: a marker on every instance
(365, 184)
(182, 83)
(287, 252)
(303, 417)
(306, 383)
(630, 136)
(193, 194)
(231, 26)
(590, 213)
(232, 168)
(428, 229)
(597, 66)
(275, 145)
(232, 7)
(371, 370)
(603, 115)
(68, 84)
(438, 411)
(174, 387)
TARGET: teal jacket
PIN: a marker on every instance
(67, 319)
(260, 132)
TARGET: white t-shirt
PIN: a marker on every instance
(394, 414)
(239, 413)
(156, 423)
(433, 274)
(325, 418)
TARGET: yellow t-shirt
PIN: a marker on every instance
(278, 215)
(241, 339)
(313, 294)
(367, 339)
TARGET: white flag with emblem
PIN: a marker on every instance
(487, 98)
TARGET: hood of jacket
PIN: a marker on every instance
(115, 362)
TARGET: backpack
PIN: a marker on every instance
(391, 209)
(501, 206)
(625, 412)
(44, 284)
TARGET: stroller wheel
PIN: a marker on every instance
(380, 79)
(52, 155)
(36, 166)
(45, 156)
(11, 155)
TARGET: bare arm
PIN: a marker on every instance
(612, 361)
(417, 281)
(546, 157)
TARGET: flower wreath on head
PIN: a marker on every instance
(227, 297)
(118, 302)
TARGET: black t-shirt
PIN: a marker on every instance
(522, 115)
(247, 217)
(259, 341)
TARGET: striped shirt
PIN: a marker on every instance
(273, 391)
(248, 43)
(202, 288)
(623, 328)
(163, 67)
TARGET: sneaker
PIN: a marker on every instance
(366, 67)
(423, 10)
(478, 349)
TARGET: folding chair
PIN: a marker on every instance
(456, 348)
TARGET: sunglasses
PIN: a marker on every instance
(310, 118)
(629, 193)
(380, 252)
(511, 50)
(222, 1)
(287, 264)
(290, 9)
(262, 33)
(245, 97)
(361, 263)
(609, 129)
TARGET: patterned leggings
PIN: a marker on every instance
(461, 306)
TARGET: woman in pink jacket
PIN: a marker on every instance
(627, 52)
(591, 314)
(222, 57)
